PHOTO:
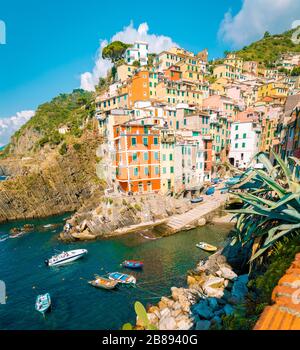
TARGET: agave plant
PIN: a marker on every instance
(271, 208)
(142, 317)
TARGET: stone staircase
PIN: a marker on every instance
(190, 218)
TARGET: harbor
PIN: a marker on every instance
(75, 303)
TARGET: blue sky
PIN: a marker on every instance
(51, 43)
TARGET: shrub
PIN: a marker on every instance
(77, 146)
(63, 149)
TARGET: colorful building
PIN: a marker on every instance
(245, 141)
(137, 53)
(138, 87)
(137, 157)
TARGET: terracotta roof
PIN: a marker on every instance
(285, 313)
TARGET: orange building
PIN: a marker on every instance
(138, 87)
(207, 140)
(173, 73)
(137, 158)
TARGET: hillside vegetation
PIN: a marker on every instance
(267, 50)
(71, 110)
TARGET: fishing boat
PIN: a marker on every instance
(43, 303)
(133, 264)
(122, 278)
(197, 200)
(101, 282)
(66, 257)
(210, 191)
(207, 247)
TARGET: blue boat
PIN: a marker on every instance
(133, 264)
(216, 180)
(210, 191)
(122, 278)
(197, 200)
(43, 303)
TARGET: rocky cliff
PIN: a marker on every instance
(49, 183)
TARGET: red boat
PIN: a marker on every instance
(133, 264)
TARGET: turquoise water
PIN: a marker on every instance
(77, 305)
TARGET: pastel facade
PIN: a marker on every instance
(137, 158)
(273, 90)
(245, 138)
(138, 87)
(137, 53)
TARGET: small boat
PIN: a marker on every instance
(224, 190)
(4, 238)
(66, 257)
(210, 191)
(133, 264)
(197, 200)
(207, 247)
(17, 235)
(101, 282)
(216, 180)
(43, 303)
(122, 278)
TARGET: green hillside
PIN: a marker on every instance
(268, 49)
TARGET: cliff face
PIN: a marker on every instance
(49, 183)
(117, 215)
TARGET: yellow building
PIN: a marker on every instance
(234, 61)
(194, 64)
(124, 71)
(174, 92)
(106, 103)
(274, 90)
(269, 126)
(153, 81)
(226, 71)
(190, 70)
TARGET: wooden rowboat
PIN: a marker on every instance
(101, 282)
(207, 247)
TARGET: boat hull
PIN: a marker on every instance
(67, 259)
(122, 278)
(103, 283)
(131, 264)
(43, 303)
(207, 247)
(197, 200)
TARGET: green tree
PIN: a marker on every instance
(115, 51)
(136, 64)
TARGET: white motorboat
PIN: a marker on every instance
(66, 257)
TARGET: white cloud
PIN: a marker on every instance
(8, 126)
(256, 17)
(129, 34)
